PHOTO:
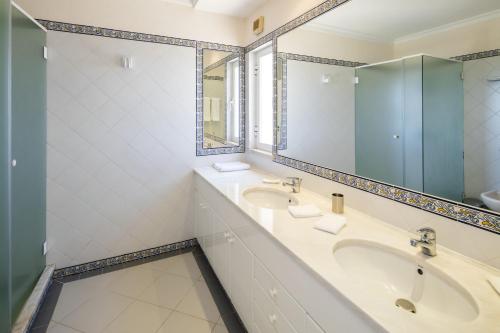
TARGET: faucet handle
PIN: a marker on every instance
(427, 233)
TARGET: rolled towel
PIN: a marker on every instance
(495, 283)
(302, 211)
(230, 166)
(331, 223)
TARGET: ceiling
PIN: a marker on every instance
(393, 20)
(238, 8)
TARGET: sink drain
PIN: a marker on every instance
(406, 305)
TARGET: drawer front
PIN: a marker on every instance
(270, 312)
(312, 327)
(280, 297)
(260, 321)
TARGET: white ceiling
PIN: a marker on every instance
(238, 8)
(392, 20)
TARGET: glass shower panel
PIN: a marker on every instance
(443, 136)
(379, 122)
(28, 148)
(4, 168)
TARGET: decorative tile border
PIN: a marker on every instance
(319, 60)
(478, 55)
(111, 33)
(121, 259)
(487, 220)
(213, 78)
(240, 53)
(33, 303)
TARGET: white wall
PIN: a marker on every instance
(482, 126)
(320, 116)
(121, 147)
(147, 16)
(276, 13)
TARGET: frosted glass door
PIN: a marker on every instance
(379, 122)
(28, 148)
(4, 170)
(443, 118)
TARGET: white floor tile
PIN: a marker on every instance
(139, 317)
(179, 323)
(134, 281)
(167, 291)
(199, 303)
(183, 265)
(95, 314)
(220, 327)
(58, 328)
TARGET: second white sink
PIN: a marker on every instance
(271, 198)
(402, 280)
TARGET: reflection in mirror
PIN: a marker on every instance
(411, 99)
(221, 113)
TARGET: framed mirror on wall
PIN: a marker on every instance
(385, 97)
(220, 99)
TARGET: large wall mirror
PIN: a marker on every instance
(405, 93)
(220, 99)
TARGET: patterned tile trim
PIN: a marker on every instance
(487, 220)
(319, 60)
(32, 305)
(111, 33)
(103, 263)
(478, 55)
(213, 78)
(240, 51)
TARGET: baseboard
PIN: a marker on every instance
(33, 303)
(124, 258)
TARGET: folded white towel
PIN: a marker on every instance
(230, 166)
(301, 211)
(271, 180)
(331, 223)
(215, 109)
(495, 283)
(207, 116)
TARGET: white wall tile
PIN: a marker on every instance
(121, 147)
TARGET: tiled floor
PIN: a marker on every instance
(175, 294)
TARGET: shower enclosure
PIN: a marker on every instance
(410, 124)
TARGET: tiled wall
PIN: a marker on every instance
(482, 126)
(121, 146)
(326, 108)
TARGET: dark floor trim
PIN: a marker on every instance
(122, 259)
(228, 312)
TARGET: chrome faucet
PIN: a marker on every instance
(294, 182)
(427, 241)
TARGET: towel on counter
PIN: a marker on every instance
(495, 283)
(230, 166)
(331, 223)
(207, 109)
(302, 211)
(215, 110)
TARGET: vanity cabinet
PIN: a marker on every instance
(271, 290)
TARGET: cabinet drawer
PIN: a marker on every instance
(312, 327)
(280, 297)
(270, 312)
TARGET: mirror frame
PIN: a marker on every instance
(240, 51)
(460, 212)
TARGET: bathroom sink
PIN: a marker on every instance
(492, 200)
(405, 281)
(269, 198)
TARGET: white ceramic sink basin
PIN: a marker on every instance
(269, 198)
(393, 276)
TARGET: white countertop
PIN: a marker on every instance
(314, 248)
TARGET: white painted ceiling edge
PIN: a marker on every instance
(237, 8)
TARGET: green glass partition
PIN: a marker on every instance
(443, 117)
(29, 150)
(4, 167)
